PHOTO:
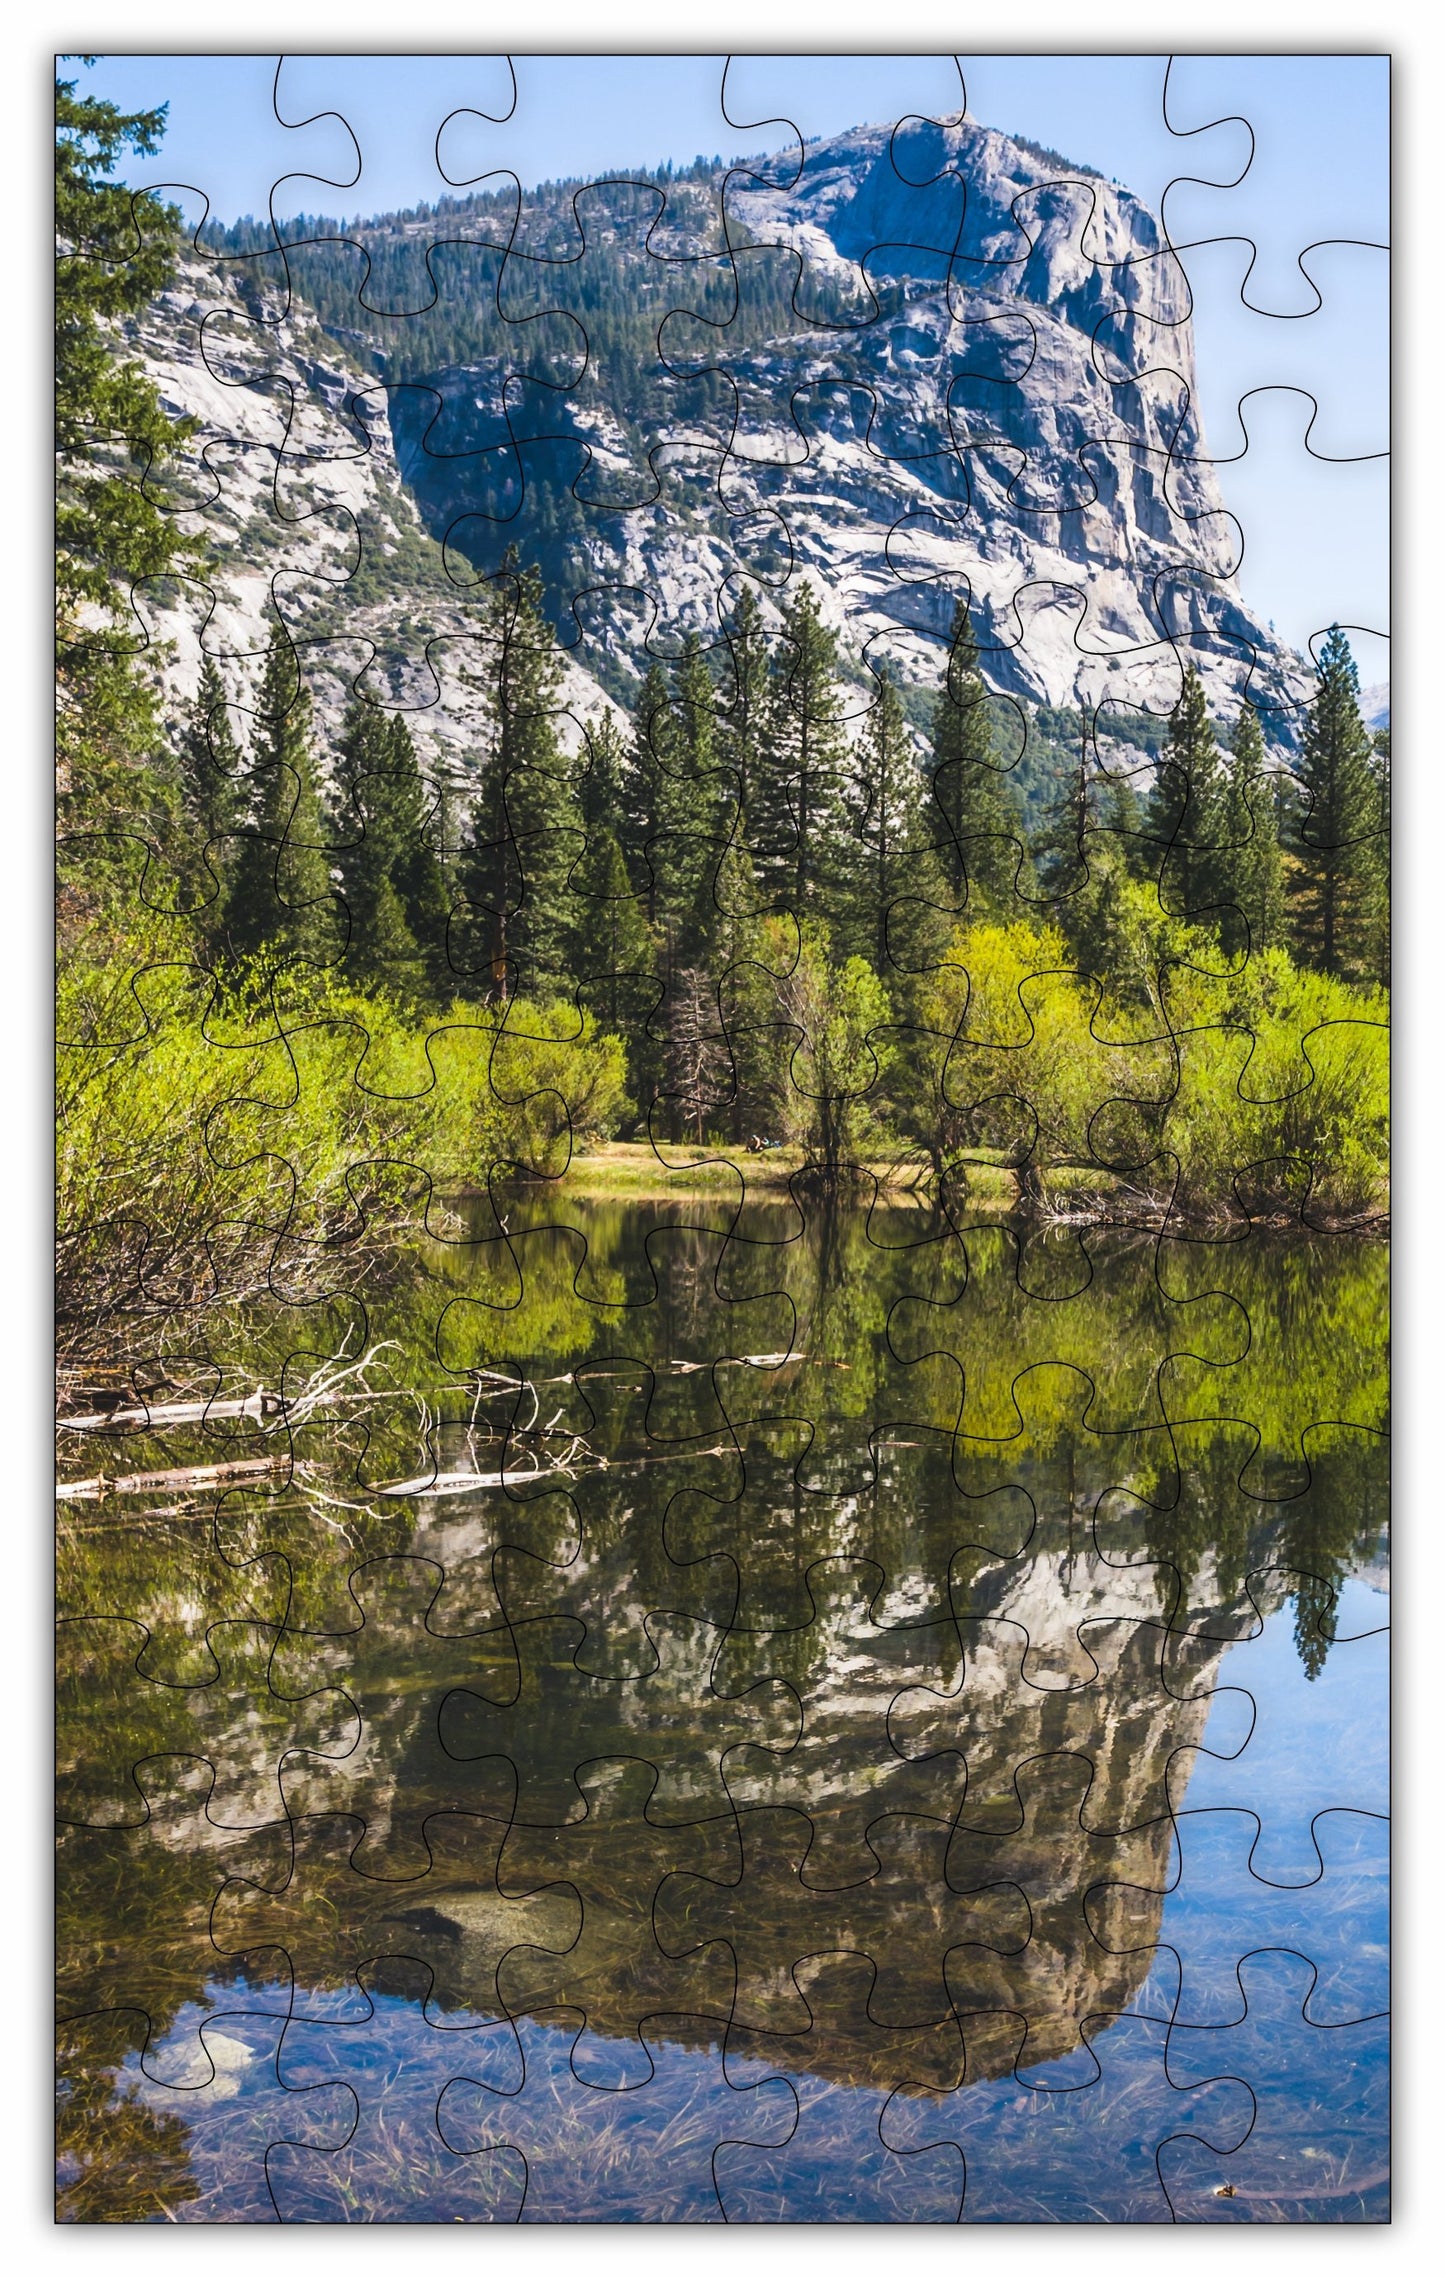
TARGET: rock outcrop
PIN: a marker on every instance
(980, 384)
(990, 392)
(308, 532)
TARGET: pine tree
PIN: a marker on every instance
(391, 879)
(1380, 964)
(1091, 856)
(1249, 871)
(526, 823)
(697, 822)
(1095, 916)
(887, 803)
(981, 845)
(419, 874)
(744, 964)
(281, 900)
(703, 931)
(1187, 822)
(1338, 878)
(1060, 845)
(379, 943)
(115, 250)
(744, 712)
(613, 955)
(647, 784)
(214, 788)
(697, 718)
(1118, 809)
(600, 792)
(669, 797)
(798, 809)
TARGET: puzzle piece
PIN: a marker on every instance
(198, 2142)
(724, 908)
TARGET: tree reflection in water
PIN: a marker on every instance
(785, 1758)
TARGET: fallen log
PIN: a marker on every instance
(261, 1406)
(467, 1482)
(257, 1404)
(190, 1475)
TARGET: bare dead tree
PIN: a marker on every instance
(698, 1065)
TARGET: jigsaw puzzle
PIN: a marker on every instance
(724, 930)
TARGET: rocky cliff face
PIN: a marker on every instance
(932, 363)
(291, 483)
(990, 391)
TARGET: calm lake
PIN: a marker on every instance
(752, 1717)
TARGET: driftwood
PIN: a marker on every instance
(346, 1385)
(457, 1482)
(426, 1484)
(327, 1388)
(275, 1409)
(258, 1404)
(468, 1482)
(190, 1475)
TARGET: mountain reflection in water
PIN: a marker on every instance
(925, 1763)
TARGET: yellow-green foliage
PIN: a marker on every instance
(1263, 1083)
(208, 1139)
(837, 1048)
(1283, 1076)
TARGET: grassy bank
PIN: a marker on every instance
(636, 1170)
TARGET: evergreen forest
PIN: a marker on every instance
(309, 987)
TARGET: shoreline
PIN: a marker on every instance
(627, 1170)
(1084, 1197)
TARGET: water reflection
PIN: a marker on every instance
(815, 1783)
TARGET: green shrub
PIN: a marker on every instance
(228, 1144)
(1199, 1085)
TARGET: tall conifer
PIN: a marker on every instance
(648, 784)
(612, 954)
(698, 1066)
(669, 796)
(526, 823)
(419, 872)
(697, 715)
(743, 708)
(888, 789)
(1380, 751)
(115, 251)
(798, 810)
(699, 816)
(282, 901)
(1187, 822)
(215, 787)
(748, 1017)
(379, 943)
(1337, 879)
(600, 793)
(391, 878)
(980, 841)
(1060, 841)
(1249, 869)
(1094, 914)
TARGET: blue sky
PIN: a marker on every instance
(1315, 526)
